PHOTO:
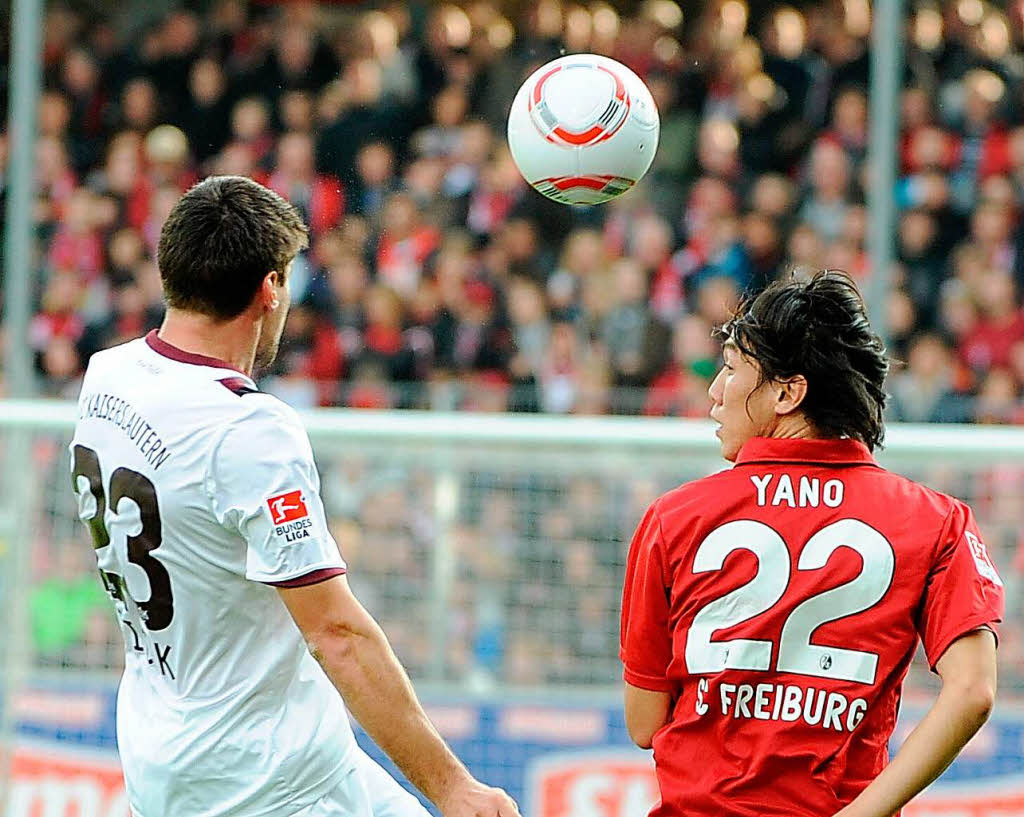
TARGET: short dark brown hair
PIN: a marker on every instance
(818, 328)
(220, 241)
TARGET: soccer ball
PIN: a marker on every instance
(583, 129)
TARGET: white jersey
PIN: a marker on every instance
(201, 493)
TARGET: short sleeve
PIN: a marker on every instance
(645, 643)
(264, 485)
(963, 592)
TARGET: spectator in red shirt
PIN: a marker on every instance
(405, 242)
(55, 180)
(318, 197)
(59, 316)
(1001, 324)
(501, 188)
(384, 342)
(77, 245)
(250, 125)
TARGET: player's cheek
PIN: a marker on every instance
(733, 396)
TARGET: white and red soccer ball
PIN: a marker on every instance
(583, 129)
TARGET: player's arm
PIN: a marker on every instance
(356, 656)
(263, 483)
(968, 672)
(646, 712)
(960, 609)
(645, 643)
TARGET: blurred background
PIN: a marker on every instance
(491, 544)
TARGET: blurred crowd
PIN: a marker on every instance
(436, 278)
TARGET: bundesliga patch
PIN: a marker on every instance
(290, 516)
(981, 559)
(287, 507)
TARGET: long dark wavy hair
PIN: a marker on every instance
(818, 328)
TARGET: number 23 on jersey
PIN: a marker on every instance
(141, 538)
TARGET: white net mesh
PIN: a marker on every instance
(496, 563)
(491, 552)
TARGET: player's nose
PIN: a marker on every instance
(714, 390)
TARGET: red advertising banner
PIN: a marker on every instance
(622, 784)
(55, 782)
(599, 784)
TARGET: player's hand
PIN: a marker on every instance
(474, 799)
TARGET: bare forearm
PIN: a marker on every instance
(646, 712)
(955, 717)
(379, 694)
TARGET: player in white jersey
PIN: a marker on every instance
(202, 498)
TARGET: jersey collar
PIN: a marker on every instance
(832, 452)
(162, 347)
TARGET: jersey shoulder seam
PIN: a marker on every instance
(273, 411)
(662, 550)
(947, 524)
(238, 385)
(687, 489)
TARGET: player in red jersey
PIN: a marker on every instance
(770, 611)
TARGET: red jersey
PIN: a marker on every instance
(780, 603)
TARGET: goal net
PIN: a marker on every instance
(491, 549)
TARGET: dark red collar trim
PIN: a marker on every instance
(831, 452)
(162, 347)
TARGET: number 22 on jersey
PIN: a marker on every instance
(796, 653)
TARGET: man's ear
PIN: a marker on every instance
(268, 290)
(790, 394)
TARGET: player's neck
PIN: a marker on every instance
(793, 427)
(232, 341)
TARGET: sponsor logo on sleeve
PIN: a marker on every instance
(290, 516)
(981, 559)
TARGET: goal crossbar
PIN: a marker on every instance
(902, 441)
